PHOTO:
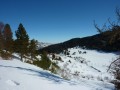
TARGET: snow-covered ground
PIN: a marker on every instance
(86, 64)
(16, 75)
(84, 69)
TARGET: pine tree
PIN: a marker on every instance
(22, 41)
(33, 48)
(45, 61)
(1, 40)
(8, 38)
(1, 37)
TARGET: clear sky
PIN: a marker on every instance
(57, 20)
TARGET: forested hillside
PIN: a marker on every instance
(106, 41)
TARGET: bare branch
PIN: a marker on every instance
(112, 63)
(111, 23)
(96, 26)
(118, 13)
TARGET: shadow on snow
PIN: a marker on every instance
(46, 75)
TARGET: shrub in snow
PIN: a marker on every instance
(99, 78)
(65, 72)
(106, 78)
(115, 69)
(82, 76)
(66, 52)
(44, 62)
(54, 68)
(70, 56)
(74, 53)
(79, 52)
(76, 75)
(6, 55)
(84, 52)
(69, 61)
(53, 56)
(56, 57)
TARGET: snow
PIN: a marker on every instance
(98, 59)
(16, 75)
(91, 65)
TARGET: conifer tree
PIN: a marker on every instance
(1, 37)
(1, 40)
(33, 48)
(22, 41)
(8, 38)
(45, 61)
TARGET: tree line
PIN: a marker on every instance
(21, 45)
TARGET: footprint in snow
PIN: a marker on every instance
(12, 83)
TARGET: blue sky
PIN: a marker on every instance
(57, 20)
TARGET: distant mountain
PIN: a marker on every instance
(106, 41)
(43, 44)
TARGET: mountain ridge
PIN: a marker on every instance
(97, 42)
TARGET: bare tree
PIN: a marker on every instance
(114, 25)
(114, 67)
(118, 14)
(100, 30)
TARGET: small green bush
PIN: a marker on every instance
(44, 62)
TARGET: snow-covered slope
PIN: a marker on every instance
(85, 64)
(16, 75)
